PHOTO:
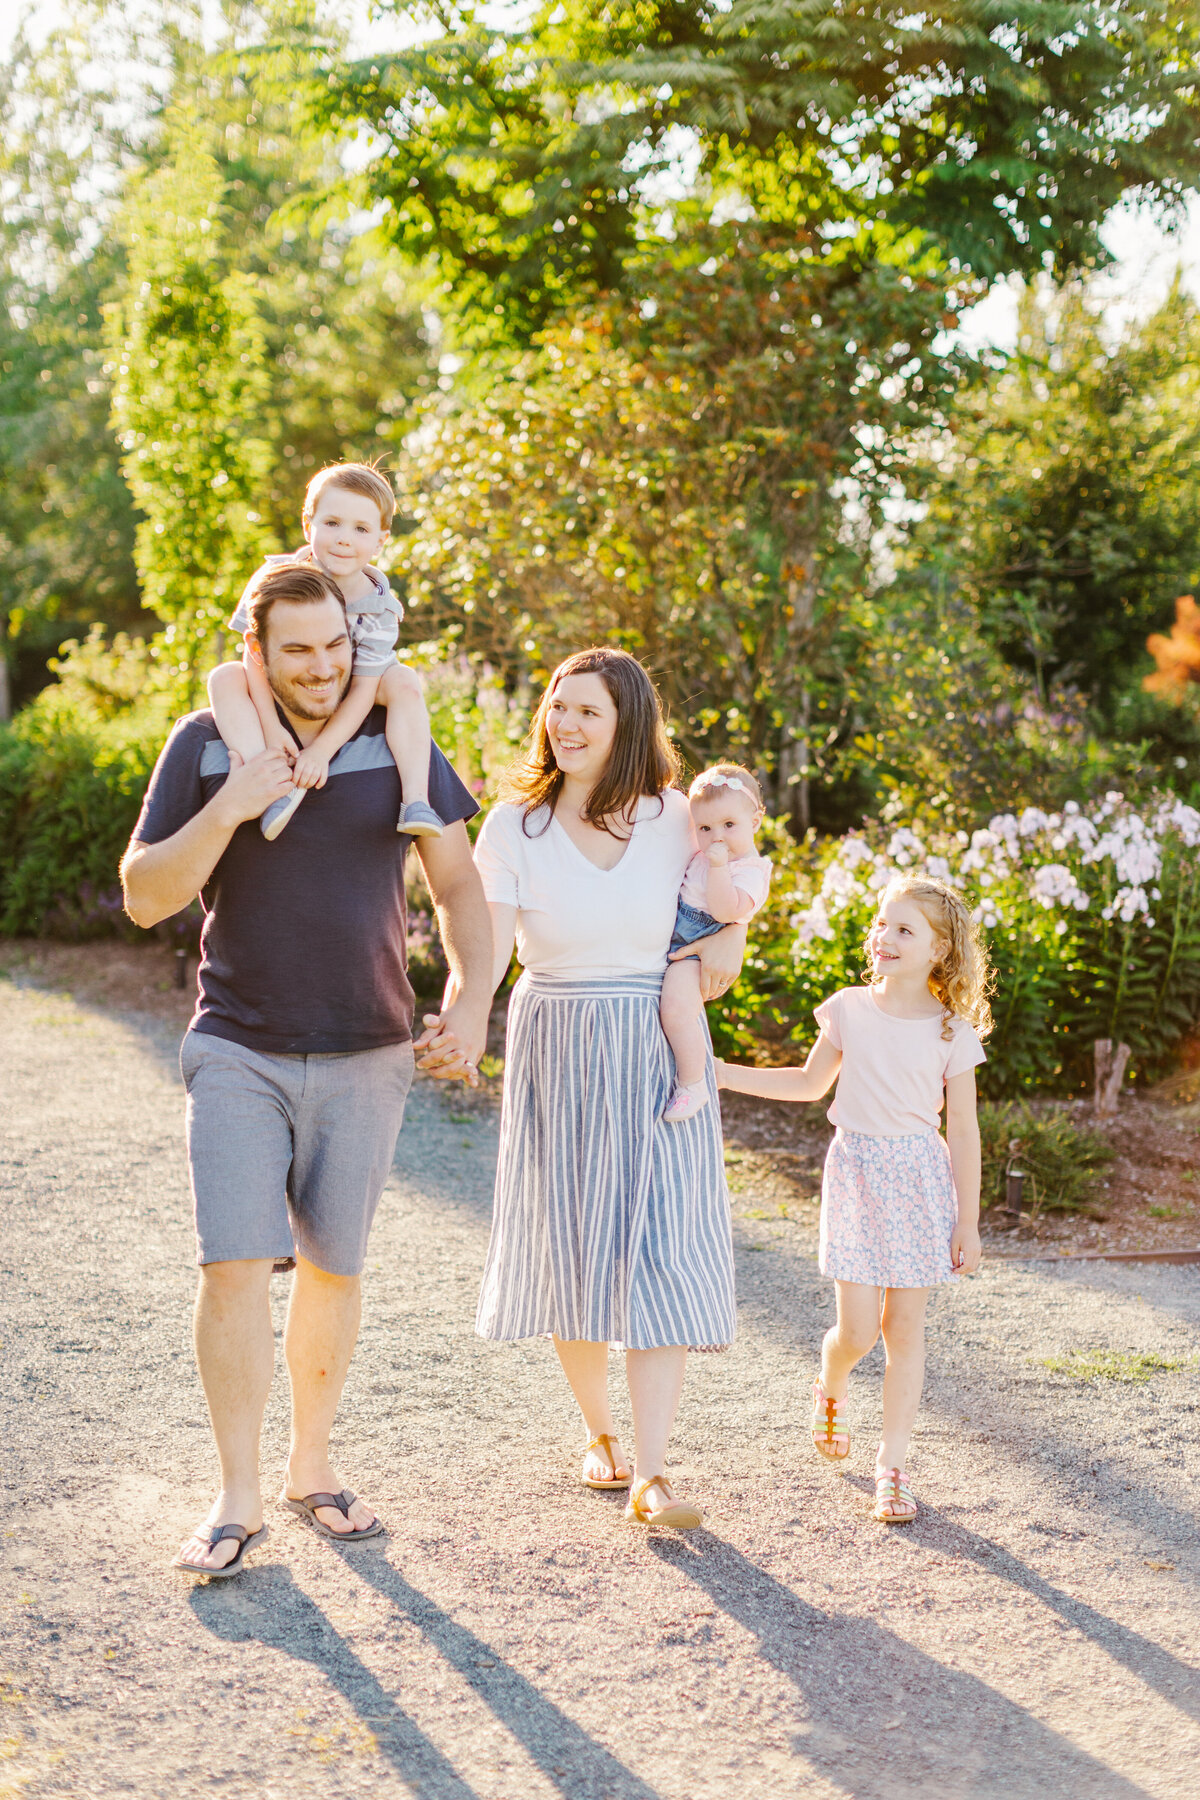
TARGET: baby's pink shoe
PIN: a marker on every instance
(686, 1102)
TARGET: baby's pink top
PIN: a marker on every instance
(894, 1071)
(751, 875)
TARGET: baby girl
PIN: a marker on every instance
(726, 883)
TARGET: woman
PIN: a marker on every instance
(609, 1226)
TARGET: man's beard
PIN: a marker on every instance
(293, 698)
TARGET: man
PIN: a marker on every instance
(299, 1056)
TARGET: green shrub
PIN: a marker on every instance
(1060, 1158)
(73, 769)
(1091, 917)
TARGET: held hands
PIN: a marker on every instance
(311, 768)
(966, 1251)
(453, 1042)
(253, 785)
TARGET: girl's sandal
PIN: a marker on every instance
(682, 1515)
(894, 1503)
(830, 1432)
(606, 1444)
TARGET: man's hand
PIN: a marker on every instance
(453, 1042)
(311, 768)
(252, 786)
(966, 1251)
(720, 959)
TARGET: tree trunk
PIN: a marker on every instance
(5, 691)
(1110, 1072)
(795, 786)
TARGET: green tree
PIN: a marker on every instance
(67, 535)
(189, 388)
(671, 472)
(89, 120)
(525, 160)
(1070, 503)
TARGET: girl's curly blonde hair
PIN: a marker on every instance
(963, 979)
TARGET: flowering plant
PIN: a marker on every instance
(1091, 916)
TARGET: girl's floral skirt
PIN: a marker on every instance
(888, 1209)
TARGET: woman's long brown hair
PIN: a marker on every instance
(643, 759)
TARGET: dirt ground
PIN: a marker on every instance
(1033, 1635)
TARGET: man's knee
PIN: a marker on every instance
(228, 1280)
(308, 1272)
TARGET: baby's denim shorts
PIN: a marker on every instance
(692, 924)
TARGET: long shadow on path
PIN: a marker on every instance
(909, 1725)
(1175, 1681)
(270, 1609)
(276, 1613)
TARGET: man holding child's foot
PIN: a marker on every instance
(299, 1057)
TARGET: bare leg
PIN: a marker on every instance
(235, 713)
(235, 1353)
(904, 1341)
(322, 1326)
(848, 1341)
(407, 730)
(655, 1385)
(585, 1365)
(679, 1009)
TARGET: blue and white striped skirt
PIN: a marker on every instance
(608, 1225)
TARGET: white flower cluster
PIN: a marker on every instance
(1106, 852)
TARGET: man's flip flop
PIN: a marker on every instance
(307, 1509)
(214, 1534)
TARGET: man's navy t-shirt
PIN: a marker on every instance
(303, 946)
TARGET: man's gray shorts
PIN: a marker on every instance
(289, 1154)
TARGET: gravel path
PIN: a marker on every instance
(1035, 1634)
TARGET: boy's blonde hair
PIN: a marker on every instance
(705, 785)
(355, 478)
(963, 979)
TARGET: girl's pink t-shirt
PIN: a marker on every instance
(894, 1071)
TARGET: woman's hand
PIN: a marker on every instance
(452, 1043)
(720, 959)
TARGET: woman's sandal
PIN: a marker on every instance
(215, 1534)
(681, 1515)
(829, 1427)
(892, 1490)
(307, 1509)
(606, 1443)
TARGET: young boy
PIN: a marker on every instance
(347, 517)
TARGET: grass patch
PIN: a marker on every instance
(1112, 1365)
(1164, 1212)
(1061, 1159)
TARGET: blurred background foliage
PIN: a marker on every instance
(653, 312)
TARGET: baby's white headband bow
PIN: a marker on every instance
(722, 781)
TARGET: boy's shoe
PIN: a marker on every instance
(279, 812)
(686, 1102)
(418, 819)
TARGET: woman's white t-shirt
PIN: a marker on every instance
(894, 1071)
(574, 919)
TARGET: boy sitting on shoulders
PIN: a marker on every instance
(347, 516)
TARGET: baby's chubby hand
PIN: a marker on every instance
(718, 855)
(311, 768)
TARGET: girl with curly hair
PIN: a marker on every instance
(899, 1203)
